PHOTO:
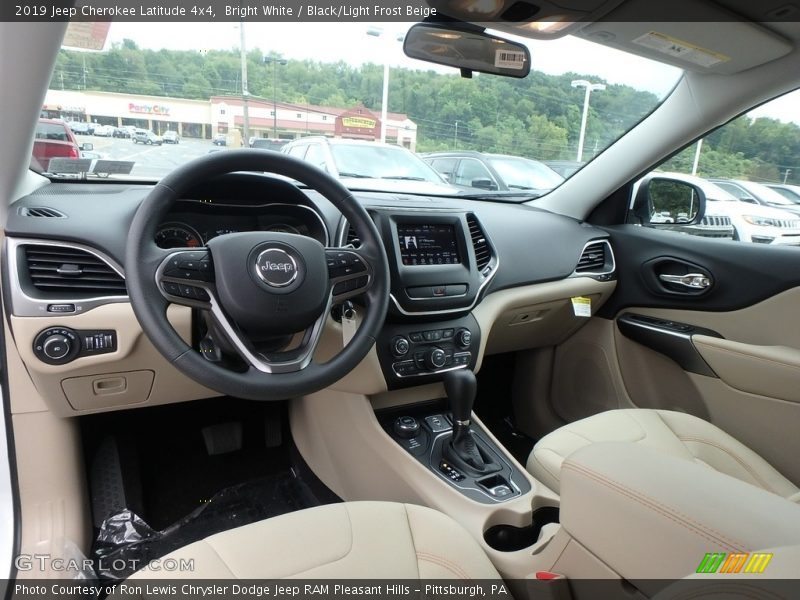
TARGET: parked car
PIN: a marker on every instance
(220, 139)
(125, 132)
(171, 137)
(81, 127)
(716, 222)
(499, 172)
(104, 130)
(756, 193)
(788, 191)
(370, 165)
(751, 222)
(143, 136)
(268, 143)
(54, 139)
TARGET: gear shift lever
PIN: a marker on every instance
(461, 387)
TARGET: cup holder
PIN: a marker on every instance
(507, 538)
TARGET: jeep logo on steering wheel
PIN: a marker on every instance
(276, 267)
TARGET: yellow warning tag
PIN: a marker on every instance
(582, 306)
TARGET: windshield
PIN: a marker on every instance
(524, 174)
(380, 162)
(768, 195)
(156, 95)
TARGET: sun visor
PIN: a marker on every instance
(692, 35)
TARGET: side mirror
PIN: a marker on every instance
(87, 147)
(468, 48)
(484, 184)
(662, 200)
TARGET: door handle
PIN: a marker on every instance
(695, 281)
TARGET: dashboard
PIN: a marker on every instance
(467, 278)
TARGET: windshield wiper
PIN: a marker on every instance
(404, 177)
(514, 186)
(354, 175)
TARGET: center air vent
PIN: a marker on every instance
(595, 258)
(41, 211)
(483, 254)
(70, 272)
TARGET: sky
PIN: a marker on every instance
(316, 41)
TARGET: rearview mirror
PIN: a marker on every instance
(467, 49)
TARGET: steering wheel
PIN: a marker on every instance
(256, 285)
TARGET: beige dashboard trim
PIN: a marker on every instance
(134, 353)
(548, 304)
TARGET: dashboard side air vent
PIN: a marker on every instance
(483, 254)
(69, 272)
(41, 211)
(596, 258)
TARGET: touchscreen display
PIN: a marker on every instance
(428, 245)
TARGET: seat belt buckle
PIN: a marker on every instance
(546, 585)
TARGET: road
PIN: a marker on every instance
(152, 162)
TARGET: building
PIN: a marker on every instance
(223, 114)
(297, 120)
(191, 118)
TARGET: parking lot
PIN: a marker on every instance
(150, 161)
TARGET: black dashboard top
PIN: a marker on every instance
(530, 245)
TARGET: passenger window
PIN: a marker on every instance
(472, 173)
(749, 173)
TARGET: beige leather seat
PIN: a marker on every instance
(673, 433)
(355, 540)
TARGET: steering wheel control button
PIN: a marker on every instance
(406, 427)
(277, 267)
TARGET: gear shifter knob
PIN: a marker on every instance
(461, 386)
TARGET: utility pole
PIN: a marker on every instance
(455, 138)
(84, 72)
(786, 174)
(275, 62)
(245, 93)
(697, 156)
(590, 87)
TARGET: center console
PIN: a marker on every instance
(440, 264)
(443, 438)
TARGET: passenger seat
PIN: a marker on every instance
(673, 433)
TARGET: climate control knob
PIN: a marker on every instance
(400, 346)
(56, 347)
(435, 358)
(464, 338)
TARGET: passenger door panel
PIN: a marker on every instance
(745, 327)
